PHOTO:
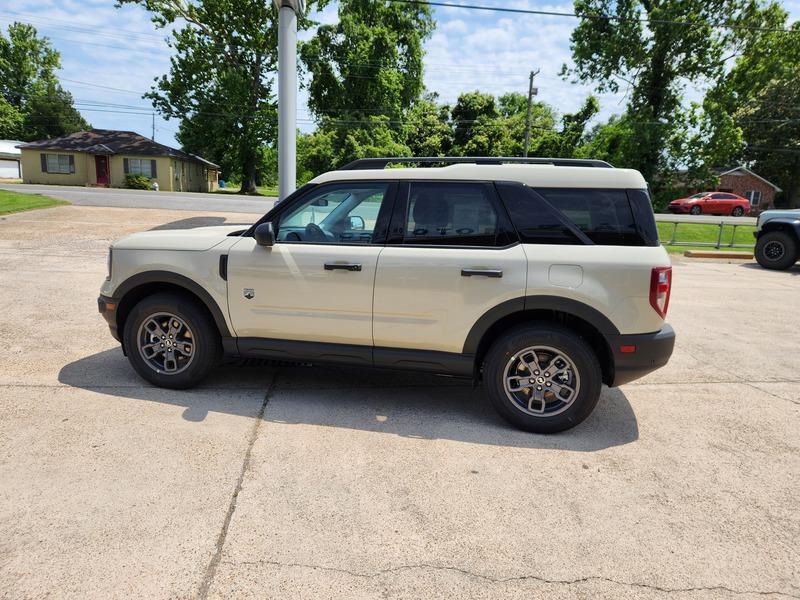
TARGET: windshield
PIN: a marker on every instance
(699, 195)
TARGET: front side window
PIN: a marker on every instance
(59, 163)
(451, 214)
(336, 214)
(140, 166)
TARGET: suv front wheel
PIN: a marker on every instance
(542, 378)
(171, 341)
(776, 250)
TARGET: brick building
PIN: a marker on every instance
(742, 181)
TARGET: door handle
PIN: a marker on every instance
(343, 266)
(494, 273)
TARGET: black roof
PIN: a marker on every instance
(109, 141)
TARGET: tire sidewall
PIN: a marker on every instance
(562, 339)
(207, 347)
(696, 210)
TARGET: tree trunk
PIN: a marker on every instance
(249, 149)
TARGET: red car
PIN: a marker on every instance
(711, 203)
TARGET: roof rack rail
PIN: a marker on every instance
(381, 163)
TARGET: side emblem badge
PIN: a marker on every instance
(249, 293)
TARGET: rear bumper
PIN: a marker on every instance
(108, 308)
(652, 351)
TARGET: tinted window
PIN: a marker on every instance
(535, 220)
(604, 215)
(451, 214)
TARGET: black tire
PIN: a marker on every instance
(206, 344)
(505, 350)
(696, 210)
(776, 250)
(738, 211)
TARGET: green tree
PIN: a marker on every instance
(647, 51)
(32, 103)
(429, 132)
(366, 73)
(750, 115)
(51, 114)
(564, 143)
(219, 79)
(10, 121)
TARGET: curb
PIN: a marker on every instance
(718, 254)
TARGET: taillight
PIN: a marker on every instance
(660, 286)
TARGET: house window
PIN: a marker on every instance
(59, 163)
(140, 166)
(754, 196)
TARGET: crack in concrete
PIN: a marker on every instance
(211, 569)
(755, 387)
(544, 580)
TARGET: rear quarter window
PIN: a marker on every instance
(605, 216)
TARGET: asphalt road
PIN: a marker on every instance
(123, 198)
(276, 482)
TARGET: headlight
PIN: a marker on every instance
(110, 259)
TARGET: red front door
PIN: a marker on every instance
(101, 164)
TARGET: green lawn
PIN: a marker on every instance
(11, 202)
(262, 190)
(692, 232)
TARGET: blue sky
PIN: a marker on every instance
(110, 56)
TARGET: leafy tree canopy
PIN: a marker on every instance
(32, 103)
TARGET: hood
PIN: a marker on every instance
(775, 214)
(685, 200)
(198, 239)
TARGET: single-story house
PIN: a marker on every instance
(744, 182)
(103, 157)
(10, 157)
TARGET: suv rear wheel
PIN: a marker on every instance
(542, 378)
(171, 341)
(776, 250)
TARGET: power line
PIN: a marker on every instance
(550, 13)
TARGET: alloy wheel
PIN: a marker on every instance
(166, 343)
(774, 250)
(541, 381)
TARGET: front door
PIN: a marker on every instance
(101, 165)
(315, 284)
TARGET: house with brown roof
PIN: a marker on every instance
(748, 184)
(103, 157)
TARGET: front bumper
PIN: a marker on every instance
(637, 355)
(108, 308)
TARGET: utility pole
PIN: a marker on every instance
(532, 91)
(153, 135)
(287, 94)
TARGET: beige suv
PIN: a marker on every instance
(542, 278)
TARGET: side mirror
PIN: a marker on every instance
(321, 202)
(356, 223)
(265, 234)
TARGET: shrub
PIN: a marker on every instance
(137, 182)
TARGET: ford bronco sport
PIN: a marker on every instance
(542, 279)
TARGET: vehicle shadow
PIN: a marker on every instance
(404, 404)
(193, 222)
(794, 270)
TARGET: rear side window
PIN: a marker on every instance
(604, 215)
(452, 214)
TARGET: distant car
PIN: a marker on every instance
(778, 238)
(711, 203)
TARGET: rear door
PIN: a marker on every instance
(451, 256)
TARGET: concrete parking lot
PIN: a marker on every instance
(306, 482)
